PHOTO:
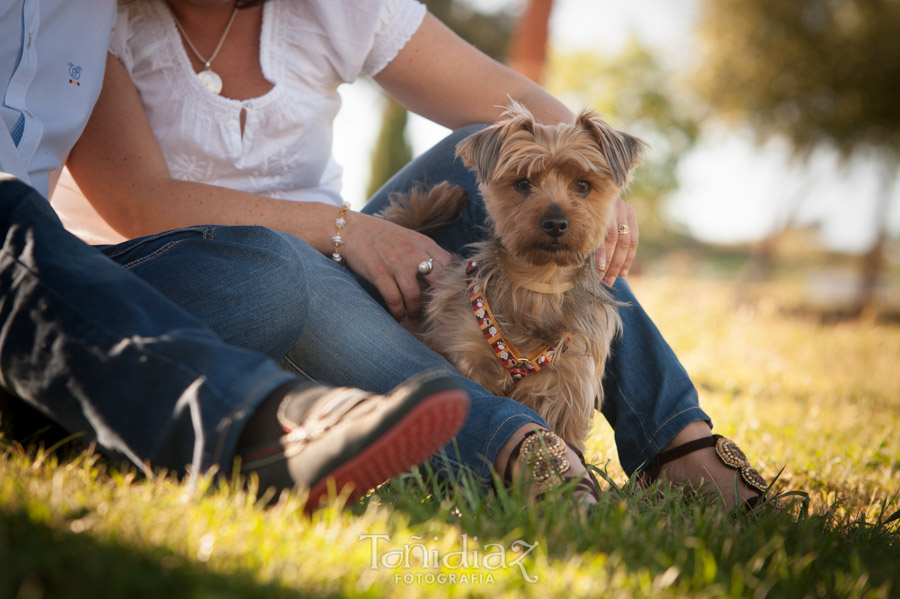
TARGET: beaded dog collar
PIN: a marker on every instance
(518, 365)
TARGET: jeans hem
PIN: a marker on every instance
(233, 424)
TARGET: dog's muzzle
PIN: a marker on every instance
(554, 222)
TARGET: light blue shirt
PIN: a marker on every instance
(52, 58)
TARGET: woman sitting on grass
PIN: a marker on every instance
(222, 113)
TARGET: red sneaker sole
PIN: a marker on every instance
(414, 438)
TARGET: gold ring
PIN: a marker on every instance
(624, 230)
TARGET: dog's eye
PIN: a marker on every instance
(582, 187)
(523, 186)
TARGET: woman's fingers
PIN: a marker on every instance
(388, 256)
(620, 244)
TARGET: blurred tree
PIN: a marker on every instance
(816, 72)
(635, 93)
(488, 31)
(528, 48)
(392, 150)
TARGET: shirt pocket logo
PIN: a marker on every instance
(75, 74)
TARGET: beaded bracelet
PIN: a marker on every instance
(337, 240)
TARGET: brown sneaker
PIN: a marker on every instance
(353, 438)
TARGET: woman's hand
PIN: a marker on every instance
(618, 250)
(388, 256)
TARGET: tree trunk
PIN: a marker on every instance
(528, 53)
(872, 263)
(392, 151)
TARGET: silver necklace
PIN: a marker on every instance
(207, 76)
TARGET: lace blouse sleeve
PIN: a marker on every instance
(398, 20)
(343, 39)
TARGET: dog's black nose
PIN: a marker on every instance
(554, 222)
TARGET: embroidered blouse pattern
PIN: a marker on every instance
(307, 49)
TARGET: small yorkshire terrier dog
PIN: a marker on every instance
(527, 316)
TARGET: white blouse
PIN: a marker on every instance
(307, 49)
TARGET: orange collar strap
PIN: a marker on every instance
(518, 365)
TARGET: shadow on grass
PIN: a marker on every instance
(42, 562)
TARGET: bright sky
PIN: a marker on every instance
(730, 190)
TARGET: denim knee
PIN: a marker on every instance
(12, 193)
(248, 284)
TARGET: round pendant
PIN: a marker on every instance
(211, 81)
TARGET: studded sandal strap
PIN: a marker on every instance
(651, 472)
(587, 483)
(727, 452)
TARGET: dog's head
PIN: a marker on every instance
(550, 190)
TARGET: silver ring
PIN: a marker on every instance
(624, 230)
(426, 266)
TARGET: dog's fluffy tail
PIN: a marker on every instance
(424, 209)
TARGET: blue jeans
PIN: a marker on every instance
(161, 348)
(274, 294)
(99, 350)
(648, 396)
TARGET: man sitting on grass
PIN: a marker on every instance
(104, 353)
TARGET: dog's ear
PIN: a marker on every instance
(623, 152)
(481, 151)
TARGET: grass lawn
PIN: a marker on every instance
(818, 403)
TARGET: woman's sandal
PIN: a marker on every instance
(728, 453)
(543, 453)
